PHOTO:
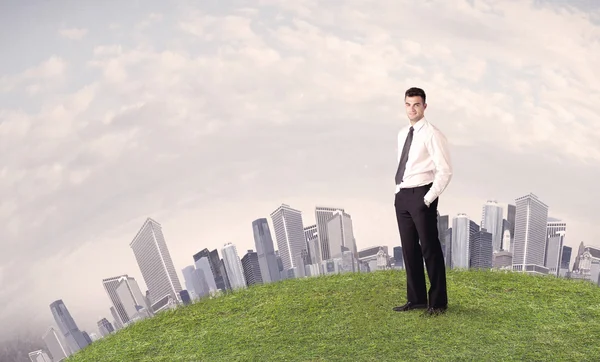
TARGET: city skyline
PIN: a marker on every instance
(551, 226)
(114, 114)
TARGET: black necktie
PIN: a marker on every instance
(404, 156)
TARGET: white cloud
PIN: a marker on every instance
(73, 33)
(48, 72)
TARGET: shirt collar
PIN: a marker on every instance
(419, 124)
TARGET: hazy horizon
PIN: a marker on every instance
(208, 117)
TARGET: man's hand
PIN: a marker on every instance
(427, 203)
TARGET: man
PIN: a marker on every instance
(424, 171)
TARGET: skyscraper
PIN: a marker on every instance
(480, 250)
(65, 322)
(340, 234)
(554, 244)
(289, 233)
(265, 250)
(39, 356)
(322, 216)
(443, 224)
(154, 260)
(56, 344)
(112, 284)
(105, 327)
(204, 275)
(233, 266)
(491, 220)
(531, 220)
(251, 267)
(215, 267)
(311, 236)
(511, 212)
(462, 230)
(565, 260)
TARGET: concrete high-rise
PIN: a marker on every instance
(65, 322)
(491, 220)
(531, 220)
(443, 224)
(462, 229)
(56, 344)
(311, 236)
(511, 213)
(289, 233)
(481, 250)
(565, 260)
(322, 217)
(340, 235)
(104, 327)
(251, 266)
(39, 356)
(265, 250)
(204, 275)
(233, 266)
(154, 260)
(112, 284)
(214, 261)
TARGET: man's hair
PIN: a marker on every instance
(415, 92)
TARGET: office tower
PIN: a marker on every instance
(226, 279)
(491, 220)
(443, 224)
(104, 327)
(39, 356)
(579, 255)
(251, 266)
(117, 323)
(87, 337)
(130, 292)
(196, 281)
(311, 236)
(398, 257)
(188, 280)
(215, 267)
(233, 266)
(56, 344)
(511, 212)
(322, 216)
(554, 226)
(565, 260)
(555, 240)
(531, 220)
(265, 251)
(203, 275)
(71, 333)
(340, 234)
(154, 260)
(481, 250)
(133, 301)
(185, 297)
(448, 248)
(507, 237)
(289, 233)
(462, 229)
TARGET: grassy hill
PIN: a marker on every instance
(492, 316)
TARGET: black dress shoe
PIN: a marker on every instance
(409, 306)
(436, 311)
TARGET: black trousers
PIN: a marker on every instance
(417, 222)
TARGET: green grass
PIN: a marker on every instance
(492, 316)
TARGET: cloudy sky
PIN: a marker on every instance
(208, 115)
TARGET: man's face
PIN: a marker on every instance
(415, 108)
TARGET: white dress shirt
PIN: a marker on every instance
(428, 159)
